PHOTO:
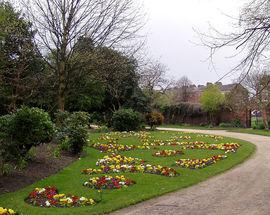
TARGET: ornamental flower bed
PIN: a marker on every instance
(227, 147)
(199, 163)
(113, 137)
(109, 182)
(174, 142)
(118, 159)
(110, 147)
(216, 137)
(118, 163)
(167, 153)
(141, 168)
(49, 197)
(6, 211)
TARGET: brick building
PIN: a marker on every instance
(196, 91)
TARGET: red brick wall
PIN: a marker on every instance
(223, 117)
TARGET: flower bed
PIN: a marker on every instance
(117, 163)
(216, 137)
(227, 147)
(141, 168)
(109, 182)
(113, 147)
(167, 153)
(199, 163)
(49, 197)
(118, 159)
(124, 134)
(174, 142)
(6, 211)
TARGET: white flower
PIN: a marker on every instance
(69, 200)
(82, 199)
(42, 190)
(48, 204)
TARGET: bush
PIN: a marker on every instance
(154, 119)
(237, 123)
(26, 128)
(22, 130)
(225, 125)
(96, 118)
(72, 131)
(126, 120)
(261, 126)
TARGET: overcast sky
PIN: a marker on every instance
(171, 37)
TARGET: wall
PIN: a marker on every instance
(202, 118)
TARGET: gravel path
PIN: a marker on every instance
(243, 190)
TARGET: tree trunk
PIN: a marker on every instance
(265, 118)
(61, 88)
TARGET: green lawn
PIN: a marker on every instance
(250, 131)
(240, 130)
(70, 179)
(186, 126)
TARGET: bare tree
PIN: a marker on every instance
(153, 77)
(183, 89)
(250, 38)
(60, 23)
(153, 80)
(258, 84)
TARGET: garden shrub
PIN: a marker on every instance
(261, 126)
(225, 125)
(237, 123)
(126, 120)
(154, 119)
(30, 127)
(72, 131)
(20, 131)
(96, 118)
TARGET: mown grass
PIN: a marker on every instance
(70, 179)
(250, 131)
(186, 126)
(239, 130)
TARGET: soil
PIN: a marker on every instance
(243, 190)
(43, 165)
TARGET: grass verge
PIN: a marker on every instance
(239, 130)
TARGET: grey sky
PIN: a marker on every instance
(171, 37)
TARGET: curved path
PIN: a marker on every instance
(244, 190)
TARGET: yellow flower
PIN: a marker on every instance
(11, 212)
(3, 210)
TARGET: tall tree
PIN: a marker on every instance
(183, 89)
(118, 74)
(250, 36)
(106, 77)
(60, 23)
(153, 80)
(20, 66)
(258, 84)
(211, 100)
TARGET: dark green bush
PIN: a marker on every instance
(30, 127)
(25, 128)
(225, 125)
(5, 122)
(22, 130)
(97, 118)
(237, 123)
(72, 131)
(126, 120)
(154, 119)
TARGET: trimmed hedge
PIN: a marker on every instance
(126, 120)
